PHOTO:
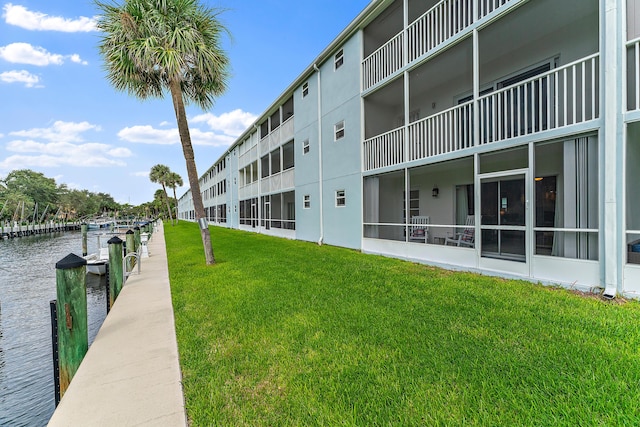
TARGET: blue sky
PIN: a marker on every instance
(60, 116)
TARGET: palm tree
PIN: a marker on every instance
(175, 180)
(160, 174)
(151, 46)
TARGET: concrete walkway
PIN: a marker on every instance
(131, 374)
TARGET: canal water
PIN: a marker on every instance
(27, 285)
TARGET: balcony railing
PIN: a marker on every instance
(561, 97)
(442, 133)
(440, 23)
(383, 62)
(485, 7)
(384, 150)
(564, 96)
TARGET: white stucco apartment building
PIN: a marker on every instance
(498, 136)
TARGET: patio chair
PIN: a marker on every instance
(419, 230)
(465, 238)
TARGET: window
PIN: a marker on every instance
(338, 60)
(287, 110)
(307, 201)
(305, 89)
(287, 156)
(264, 129)
(305, 147)
(341, 198)
(264, 163)
(254, 174)
(275, 161)
(275, 120)
(339, 130)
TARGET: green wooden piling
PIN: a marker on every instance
(115, 268)
(83, 227)
(136, 237)
(131, 247)
(71, 304)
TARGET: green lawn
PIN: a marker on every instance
(288, 333)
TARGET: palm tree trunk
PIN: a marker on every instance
(166, 198)
(194, 184)
(175, 200)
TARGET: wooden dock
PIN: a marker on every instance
(8, 231)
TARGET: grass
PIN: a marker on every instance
(287, 333)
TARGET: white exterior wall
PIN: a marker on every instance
(341, 159)
(507, 44)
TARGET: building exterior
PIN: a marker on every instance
(499, 136)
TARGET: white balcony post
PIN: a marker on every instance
(476, 87)
(405, 57)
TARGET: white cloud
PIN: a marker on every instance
(149, 135)
(79, 151)
(22, 17)
(24, 53)
(62, 144)
(22, 76)
(144, 174)
(60, 131)
(213, 139)
(146, 134)
(232, 123)
(27, 162)
(76, 58)
(224, 130)
(120, 152)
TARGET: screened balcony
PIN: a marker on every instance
(432, 25)
(557, 98)
(533, 78)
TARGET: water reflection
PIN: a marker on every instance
(27, 284)
(2, 374)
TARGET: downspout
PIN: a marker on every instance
(320, 178)
(611, 90)
(259, 164)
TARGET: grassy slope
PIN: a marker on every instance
(288, 333)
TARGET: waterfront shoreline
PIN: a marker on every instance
(27, 285)
(133, 363)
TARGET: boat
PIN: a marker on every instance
(100, 223)
(97, 262)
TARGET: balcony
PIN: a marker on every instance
(438, 25)
(558, 98)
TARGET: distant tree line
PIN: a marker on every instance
(26, 195)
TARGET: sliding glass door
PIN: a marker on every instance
(503, 221)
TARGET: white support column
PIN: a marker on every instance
(407, 204)
(476, 89)
(612, 48)
(477, 189)
(405, 58)
(476, 138)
